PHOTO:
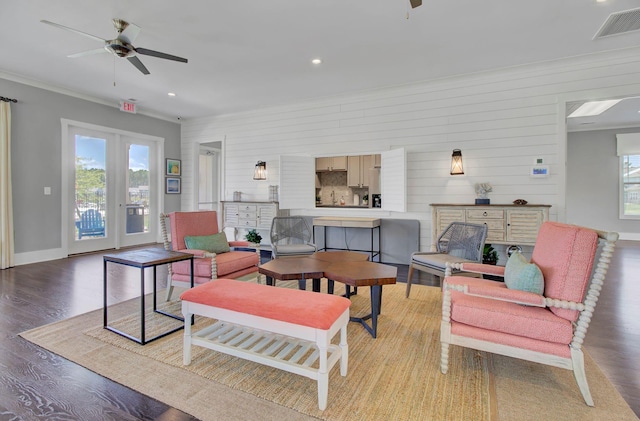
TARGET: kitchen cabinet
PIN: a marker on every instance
(377, 160)
(331, 163)
(358, 170)
(506, 224)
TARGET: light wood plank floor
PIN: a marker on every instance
(35, 384)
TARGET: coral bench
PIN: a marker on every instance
(282, 328)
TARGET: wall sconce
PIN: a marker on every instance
(456, 162)
(261, 171)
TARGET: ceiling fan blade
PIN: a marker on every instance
(415, 3)
(136, 62)
(57, 25)
(158, 54)
(88, 53)
(130, 33)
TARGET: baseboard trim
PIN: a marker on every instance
(38, 256)
(632, 236)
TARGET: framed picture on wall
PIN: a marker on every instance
(173, 185)
(174, 167)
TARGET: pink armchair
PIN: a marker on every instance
(548, 328)
(207, 266)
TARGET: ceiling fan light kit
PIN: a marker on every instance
(122, 45)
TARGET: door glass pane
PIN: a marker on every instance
(90, 187)
(631, 183)
(138, 181)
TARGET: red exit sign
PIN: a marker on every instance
(128, 107)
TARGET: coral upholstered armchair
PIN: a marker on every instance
(197, 233)
(547, 327)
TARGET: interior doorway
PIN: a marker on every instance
(208, 180)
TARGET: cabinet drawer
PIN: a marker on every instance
(247, 223)
(492, 224)
(247, 215)
(495, 235)
(247, 208)
(485, 214)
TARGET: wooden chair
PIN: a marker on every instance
(207, 266)
(91, 224)
(460, 242)
(549, 328)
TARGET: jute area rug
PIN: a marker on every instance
(393, 377)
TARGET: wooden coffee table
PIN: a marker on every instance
(350, 268)
(361, 274)
(292, 268)
(340, 256)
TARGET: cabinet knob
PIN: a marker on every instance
(484, 213)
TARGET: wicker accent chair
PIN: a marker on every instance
(460, 242)
(291, 236)
(207, 266)
(549, 328)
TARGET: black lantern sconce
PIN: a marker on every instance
(456, 162)
(261, 171)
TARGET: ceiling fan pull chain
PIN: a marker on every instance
(114, 71)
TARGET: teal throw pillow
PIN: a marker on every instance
(522, 275)
(216, 243)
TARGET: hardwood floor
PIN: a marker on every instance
(36, 384)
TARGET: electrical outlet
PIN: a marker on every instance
(47, 191)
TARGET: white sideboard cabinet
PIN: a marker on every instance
(244, 216)
(506, 224)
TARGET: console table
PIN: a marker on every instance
(251, 215)
(373, 224)
(506, 224)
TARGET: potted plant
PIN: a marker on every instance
(489, 255)
(365, 199)
(253, 236)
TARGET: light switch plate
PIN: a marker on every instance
(47, 191)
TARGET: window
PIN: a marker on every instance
(630, 187)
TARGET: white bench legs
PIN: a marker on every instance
(290, 347)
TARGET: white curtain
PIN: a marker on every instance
(6, 203)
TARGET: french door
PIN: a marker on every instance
(113, 188)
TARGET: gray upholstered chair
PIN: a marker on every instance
(460, 242)
(291, 236)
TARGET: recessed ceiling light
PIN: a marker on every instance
(594, 108)
(316, 61)
(171, 94)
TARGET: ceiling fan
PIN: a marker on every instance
(122, 45)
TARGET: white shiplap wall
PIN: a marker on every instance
(502, 121)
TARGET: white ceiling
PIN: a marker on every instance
(245, 55)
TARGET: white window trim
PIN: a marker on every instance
(621, 191)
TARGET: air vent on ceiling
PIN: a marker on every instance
(620, 23)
